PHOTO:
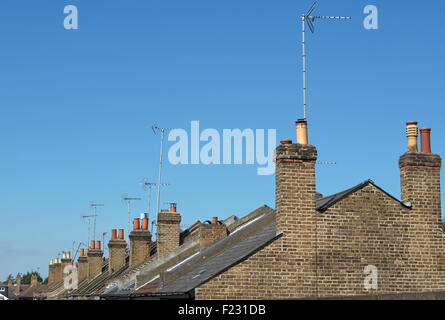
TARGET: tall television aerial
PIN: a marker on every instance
(148, 185)
(89, 223)
(128, 200)
(162, 130)
(307, 18)
(95, 205)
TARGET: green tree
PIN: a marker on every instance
(26, 278)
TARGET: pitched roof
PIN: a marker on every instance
(324, 203)
(34, 291)
(250, 237)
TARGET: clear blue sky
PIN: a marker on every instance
(77, 106)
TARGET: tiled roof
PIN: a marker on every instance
(251, 240)
(324, 203)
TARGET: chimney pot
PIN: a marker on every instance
(113, 234)
(301, 126)
(97, 244)
(286, 141)
(136, 224)
(215, 220)
(425, 140)
(92, 244)
(86, 252)
(172, 207)
(411, 134)
(82, 252)
(145, 224)
(121, 234)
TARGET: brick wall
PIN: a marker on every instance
(325, 254)
(420, 184)
(51, 274)
(167, 237)
(210, 232)
(82, 272)
(94, 262)
(116, 249)
(140, 241)
(64, 262)
(57, 271)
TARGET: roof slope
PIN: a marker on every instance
(251, 240)
(324, 203)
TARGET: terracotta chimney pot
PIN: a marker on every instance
(145, 224)
(136, 224)
(113, 234)
(425, 140)
(121, 234)
(92, 244)
(97, 244)
(286, 141)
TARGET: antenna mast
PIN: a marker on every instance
(128, 202)
(155, 127)
(89, 222)
(149, 185)
(95, 205)
(309, 19)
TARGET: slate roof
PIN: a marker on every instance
(324, 203)
(251, 237)
(34, 291)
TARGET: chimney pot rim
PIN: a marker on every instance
(286, 141)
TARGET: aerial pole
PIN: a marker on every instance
(128, 200)
(155, 127)
(309, 20)
(89, 222)
(95, 205)
(149, 185)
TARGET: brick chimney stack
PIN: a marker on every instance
(140, 242)
(116, 248)
(210, 232)
(295, 213)
(34, 280)
(420, 187)
(168, 230)
(51, 272)
(57, 270)
(65, 261)
(82, 270)
(18, 283)
(94, 259)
